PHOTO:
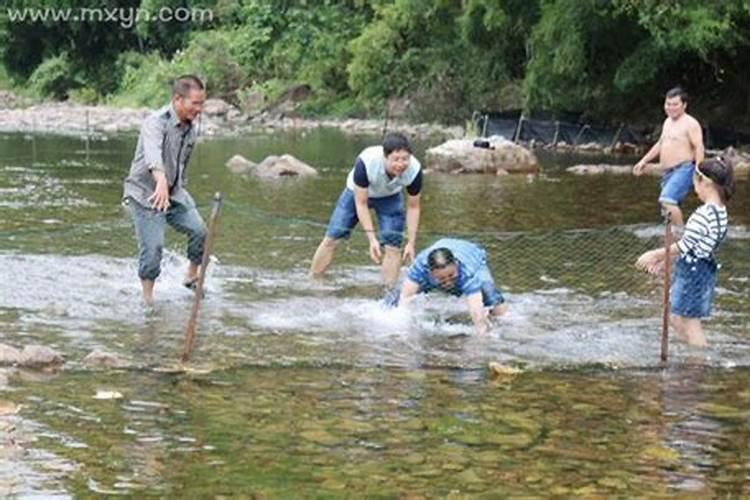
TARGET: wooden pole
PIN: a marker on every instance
(667, 281)
(192, 323)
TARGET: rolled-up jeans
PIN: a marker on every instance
(150, 225)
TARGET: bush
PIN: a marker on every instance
(145, 82)
(53, 78)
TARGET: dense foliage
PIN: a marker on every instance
(609, 59)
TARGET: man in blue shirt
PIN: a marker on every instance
(458, 267)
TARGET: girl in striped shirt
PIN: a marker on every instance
(694, 276)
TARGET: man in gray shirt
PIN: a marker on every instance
(154, 190)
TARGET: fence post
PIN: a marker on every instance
(667, 272)
(557, 132)
(578, 136)
(617, 136)
(517, 135)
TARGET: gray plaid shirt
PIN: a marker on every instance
(163, 144)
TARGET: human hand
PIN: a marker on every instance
(160, 198)
(651, 262)
(409, 253)
(639, 168)
(375, 252)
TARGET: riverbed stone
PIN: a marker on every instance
(274, 167)
(238, 164)
(39, 355)
(9, 355)
(104, 359)
(605, 168)
(462, 156)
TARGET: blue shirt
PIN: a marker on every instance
(471, 260)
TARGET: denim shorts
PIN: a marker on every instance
(677, 183)
(693, 283)
(491, 296)
(389, 211)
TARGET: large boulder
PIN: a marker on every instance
(274, 167)
(499, 156)
(9, 355)
(238, 164)
(105, 359)
(39, 355)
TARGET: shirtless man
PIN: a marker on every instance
(680, 149)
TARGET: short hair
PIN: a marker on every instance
(395, 141)
(677, 92)
(185, 83)
(721, 172)
(440, 258)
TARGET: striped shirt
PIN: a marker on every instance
(704, 231)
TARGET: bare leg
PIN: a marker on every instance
(694, 332)
(192, 272)
(391, 265)
(675, 214)
(323, 257)
(499, 310)
(677, 327)
(148, 291)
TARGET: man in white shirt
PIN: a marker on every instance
(376, 181)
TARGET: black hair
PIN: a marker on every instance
(721, 172)
(677, 92)
(440, 258)
(185, 83)
(395, 141)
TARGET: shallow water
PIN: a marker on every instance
(313, 388)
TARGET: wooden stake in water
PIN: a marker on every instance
(667, 281)
(192, 323)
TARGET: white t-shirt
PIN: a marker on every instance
(381, 185)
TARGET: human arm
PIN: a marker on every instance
(640, 167)
(408, 290)
(653, 260)
(152, 136)
(413, 210)
(477, 312)
(363, 213)
(695, 133)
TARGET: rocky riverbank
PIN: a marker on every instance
(18, 114)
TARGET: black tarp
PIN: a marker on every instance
(566, 127)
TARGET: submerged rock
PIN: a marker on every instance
(238, 164)
(496, 156)
(604, 168)
(39, 355)
(104, 359)
(287, 165)
(9, 355)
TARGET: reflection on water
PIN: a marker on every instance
(316, 386)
